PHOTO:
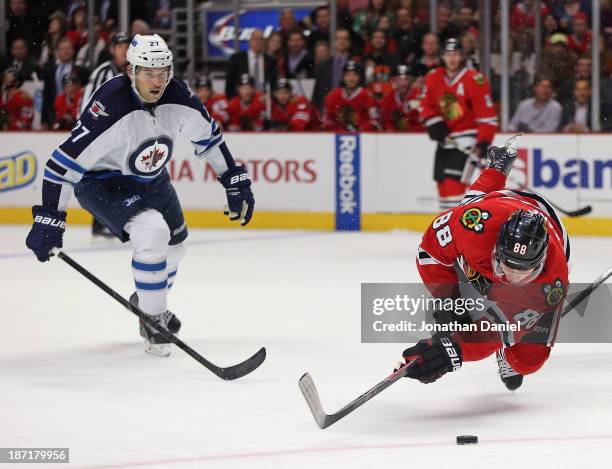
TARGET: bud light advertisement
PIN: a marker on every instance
(221, 29)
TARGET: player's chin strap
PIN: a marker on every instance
(133, 81)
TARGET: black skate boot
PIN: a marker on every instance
(509, 377)
(155, 344)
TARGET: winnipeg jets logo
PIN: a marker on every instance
(151, 156)
(97, 110)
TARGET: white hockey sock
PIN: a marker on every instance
(150, 234)
(173, 258)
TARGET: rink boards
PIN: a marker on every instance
(345, 181)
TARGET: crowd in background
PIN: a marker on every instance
(385, 45)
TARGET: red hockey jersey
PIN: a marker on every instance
(465, 238)
(246, 116)
(217, 107)
(465, 104)
(354, 112)
(17, 112)
(298, 115)
(400, 113)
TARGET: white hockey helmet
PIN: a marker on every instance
(149, 51)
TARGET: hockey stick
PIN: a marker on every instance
(226, 373)
(586, 292)
(324, 420)
(472, 162)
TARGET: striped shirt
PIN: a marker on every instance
(103, 73)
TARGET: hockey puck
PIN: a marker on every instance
(467, 440)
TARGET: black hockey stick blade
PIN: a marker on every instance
(227, 373)
(310, 393)
(576, 300)
(577, 213)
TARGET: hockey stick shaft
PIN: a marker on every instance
(228, 373)
(586, 292)
(324, 420)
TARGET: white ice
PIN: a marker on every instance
(73, 372)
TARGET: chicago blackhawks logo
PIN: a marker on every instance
(151, 156)
(450, 107)
(553, 293)
(473, 219)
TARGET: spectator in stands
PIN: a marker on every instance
(20, 60)
(567, 12)
(163, 13)
(580, 40)
(430, 57)
(215, 104)
(470, 50)
(328, 74)
(321, 53)
(287, 23)
(540, 113)
(407, 36)
(68, 102)
(446, 29)
(366, 21)
(298, 61)
(379, 63)
(140, 27)
(321, 20)
(16, 106)
(583, 68)
(399, 107)
(274, 46)
(78, 32)
(111, 68)
(53, 75)
(522, 15)
(247, 109)
(82, 57)
(23, 22)
(291, 112)
(55, 31)
(350, 107)
(557, 63)
(253, 62)
(576, 116)
(549, 22)
(466, 21)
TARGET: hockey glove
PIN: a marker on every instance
(435, 357)
(240, 201)
(437, 131)
(501, 159)
(47, 231)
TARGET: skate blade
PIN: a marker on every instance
(158, 350)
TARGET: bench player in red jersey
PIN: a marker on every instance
(458, 112)
(247, 110)
(399, 107)
(292, 112)
(513, 250)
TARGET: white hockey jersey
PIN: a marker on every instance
(118, 135)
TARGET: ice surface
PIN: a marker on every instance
(73, 372)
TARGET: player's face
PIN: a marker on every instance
(204, 93)
(452, 60)
(151, 82)
(283, 96)
(403, 83)
(351, 79)
(246, 92)
(514, 276)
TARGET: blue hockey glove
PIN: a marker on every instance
(47, 231)
(240, 201)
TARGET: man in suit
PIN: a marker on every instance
(576, 117)
(298, 61)
(328, 74)
(253, 62)
(53, 77)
